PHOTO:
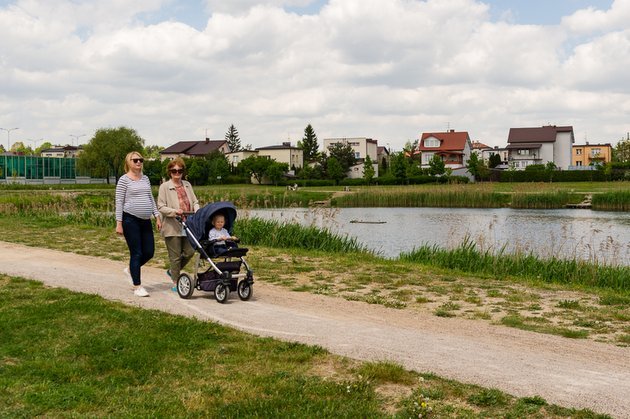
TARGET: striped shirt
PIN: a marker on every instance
(134, 197)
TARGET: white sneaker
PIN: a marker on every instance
(126, 271)
(141, 292)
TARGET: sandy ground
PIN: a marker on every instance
(571, 373)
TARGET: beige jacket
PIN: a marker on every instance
(168, 204)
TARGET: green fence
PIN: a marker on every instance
(35, 168)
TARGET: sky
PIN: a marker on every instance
(383, 69)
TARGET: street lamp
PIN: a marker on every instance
(34, 142)
(76, 137)
(8, 130)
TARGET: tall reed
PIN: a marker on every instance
(612, 201)
(272, 233)
(544, 200)
(468, 258)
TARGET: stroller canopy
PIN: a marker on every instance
(200, 222)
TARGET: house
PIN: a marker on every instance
(383, 156)
(68, 151)
(285, 153)
(235, 157)
(194, 149)
(540, 145)
(362, 147)
(591, 154)
(454, 147)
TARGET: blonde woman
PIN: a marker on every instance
(134, 207)
(176, 198)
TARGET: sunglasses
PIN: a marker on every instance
(180, 171)
(137, 160)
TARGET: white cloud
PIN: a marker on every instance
(386, 70)
(591, 20)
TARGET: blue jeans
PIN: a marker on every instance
(139, 237)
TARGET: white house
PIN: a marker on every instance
(540, 145)
(362, 148)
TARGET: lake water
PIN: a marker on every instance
(566, 233)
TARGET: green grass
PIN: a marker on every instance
(65, 354)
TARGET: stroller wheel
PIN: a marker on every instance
(185, 286)
(245, 290)
(221, 293)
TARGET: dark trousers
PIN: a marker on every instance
(139, 237)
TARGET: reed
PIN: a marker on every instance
(261, 197)
(452, 197)
(256, 231)
(612, 201)
(468, 258)
(544, 200)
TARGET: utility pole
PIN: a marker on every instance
(8, 130)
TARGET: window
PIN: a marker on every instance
(523, 152)
(578, 151)
(357, 155)
(431, 142)
(578, 163)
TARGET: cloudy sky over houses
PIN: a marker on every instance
(385, 69)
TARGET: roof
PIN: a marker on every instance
(478, 145)
(194, 148)
(278, 147)
(451, 140)
(545, 134)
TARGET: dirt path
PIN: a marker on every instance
(572, 373)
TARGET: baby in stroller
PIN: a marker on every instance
(219, 237)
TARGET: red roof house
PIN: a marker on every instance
(453, 147)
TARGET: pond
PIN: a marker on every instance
(598, 236)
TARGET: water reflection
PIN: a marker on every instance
(584, 234)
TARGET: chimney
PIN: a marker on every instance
(286, 144)
(451, 130)
(207, 140)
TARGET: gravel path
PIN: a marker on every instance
(571, 373)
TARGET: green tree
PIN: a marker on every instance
(368, 170)
(105, 154)
(477, 167)
(399, 166)
(19, 148)
(218, 167)
(275, 171)
(197, 171)
(334, 170)
(411, 150)
(45, 146)
(154, 170)
(152, 152)
(436, 165)
(621, 152)
(344, 154)
(494, 160)
(255, 166)
(309, 144)
(232, 138)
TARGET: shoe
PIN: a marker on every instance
(126, 271)
(168, 272)
(141, 292)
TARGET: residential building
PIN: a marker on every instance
(454, 147)
(540, 145)
(285, 153)
(362, 148)
(235, 157)
(591, 154)
(194, 149)
(67, 151)
(383, 156)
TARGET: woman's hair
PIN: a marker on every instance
(178, 161)
(130, 156)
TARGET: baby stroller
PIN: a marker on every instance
(224, 274)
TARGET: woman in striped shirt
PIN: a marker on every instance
(134, 207)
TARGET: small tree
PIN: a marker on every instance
(275, 171)
(368, 170)
(255, 166)
(476, 167)
(218, 167)
(344, 154)
(436, 165)
(621, 152)
(334, 170)
(399, 167)
(152, 151)
(309, 144)
(494, 160)
(232, 138)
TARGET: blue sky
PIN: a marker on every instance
(385, 69)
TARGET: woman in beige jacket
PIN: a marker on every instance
(176, 198)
